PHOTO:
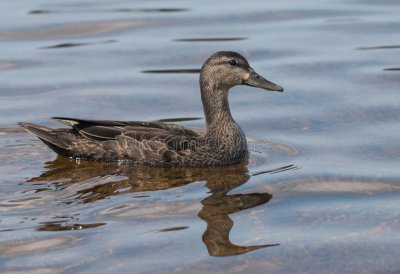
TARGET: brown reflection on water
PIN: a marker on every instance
(36, 245)
(75, 30)
(6, 65)
(95, 181)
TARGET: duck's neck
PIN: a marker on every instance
(223, 133)
(217, 113)
(216, 106)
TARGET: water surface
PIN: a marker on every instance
(320, 193)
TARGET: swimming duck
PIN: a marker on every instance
(165, 144)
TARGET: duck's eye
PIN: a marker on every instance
(232, 63)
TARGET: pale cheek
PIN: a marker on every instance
(246, 75)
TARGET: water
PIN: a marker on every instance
(321, 191)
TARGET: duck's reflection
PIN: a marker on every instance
(100, 180)
(215, 213)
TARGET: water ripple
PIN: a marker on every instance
(119, 10)
(380, 47)
(71, 44)
(167, 71)
(62, 226)
(392, 69)
(209, 39)
(74, 30)
(36, 245)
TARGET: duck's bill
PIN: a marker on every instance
(256, 80)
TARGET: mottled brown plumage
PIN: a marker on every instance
(164, 144)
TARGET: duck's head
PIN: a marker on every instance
(226, 69)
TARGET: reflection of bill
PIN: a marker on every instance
(128, 179)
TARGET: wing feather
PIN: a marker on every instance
(178, 136)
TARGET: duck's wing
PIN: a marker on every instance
(103, 130)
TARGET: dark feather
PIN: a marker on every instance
(45, 134)
(108, 130)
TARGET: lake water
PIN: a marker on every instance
(321, 193)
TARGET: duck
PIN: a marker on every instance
(163, 144)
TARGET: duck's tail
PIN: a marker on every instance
(49, 137)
